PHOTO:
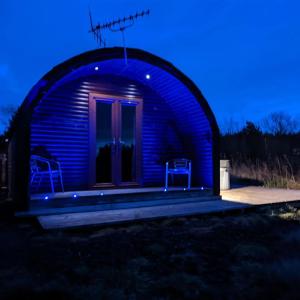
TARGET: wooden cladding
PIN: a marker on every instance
(170, 128)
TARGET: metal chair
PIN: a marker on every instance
(179, 166)
(41, 166)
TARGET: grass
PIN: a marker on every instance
(275, 172)
(250, 255)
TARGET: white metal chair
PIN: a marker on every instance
(41, 166)
(179, 166)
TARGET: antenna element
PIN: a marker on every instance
(120, 24)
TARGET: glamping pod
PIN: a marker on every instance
(96, 122)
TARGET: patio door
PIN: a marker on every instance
(115, 141)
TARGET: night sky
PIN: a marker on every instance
(243, 54)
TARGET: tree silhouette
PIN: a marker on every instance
(251, 129)
(280, 123)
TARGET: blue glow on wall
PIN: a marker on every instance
(61, 119)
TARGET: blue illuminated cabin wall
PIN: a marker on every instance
(171, 128)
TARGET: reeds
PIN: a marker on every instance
(271, 172)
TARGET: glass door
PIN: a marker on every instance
(115, 141)
(128, 141)
(105, 142)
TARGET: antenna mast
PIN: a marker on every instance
(119, 25)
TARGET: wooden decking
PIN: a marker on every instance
(109, 192)
(134, 214)
(254, 195)
(158, 205)
(115, 199)
(113, 206)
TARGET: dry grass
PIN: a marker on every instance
(274, 172)
(253, 255)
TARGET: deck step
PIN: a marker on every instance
(112, 216)
(120, 198)
(43, 211)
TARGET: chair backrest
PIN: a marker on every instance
(180, 163)
(37, 163)
(34, 167)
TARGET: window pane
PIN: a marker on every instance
(128, 143)
(103, 142)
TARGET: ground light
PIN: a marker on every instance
(46, 197)
(75, 196)
(148, 76)
(96, 68)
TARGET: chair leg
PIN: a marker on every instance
(190, 175)
(61, 182)
(166, 180)
(32, 179)
(39, 184)
(51, 181)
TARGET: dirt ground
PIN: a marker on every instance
(250, 255)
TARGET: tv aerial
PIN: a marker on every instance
(118, 25)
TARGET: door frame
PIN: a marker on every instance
(116, 115)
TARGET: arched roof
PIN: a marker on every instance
(164, 77)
